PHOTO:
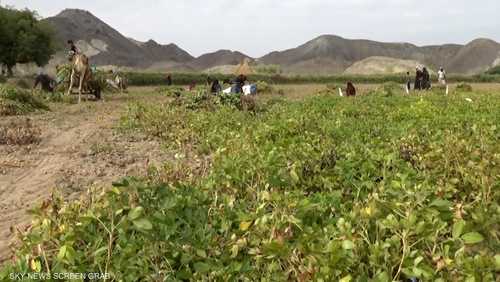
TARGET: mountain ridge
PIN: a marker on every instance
(325, 54)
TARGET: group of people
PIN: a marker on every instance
(237, 85)
(423, 79)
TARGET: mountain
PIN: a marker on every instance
(106, 46)
(170, 52)
(219, 58)
(477, 56)
(334, 54)
(326, 54)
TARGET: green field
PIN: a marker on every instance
(380, 187)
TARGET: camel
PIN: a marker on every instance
(79, 67)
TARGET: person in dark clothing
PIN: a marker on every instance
(350, 91)
(238, 83)
(408, 81)
(426, 79)
(72, 50)
(418, 80)
(48, 83)
(168, 80)
(72, 46)
(215, 87)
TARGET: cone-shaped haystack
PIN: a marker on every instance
(244, 68)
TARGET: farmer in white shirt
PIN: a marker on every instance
(442, 76)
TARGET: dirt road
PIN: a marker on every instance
(79, 148)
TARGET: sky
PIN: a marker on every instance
(257, 27)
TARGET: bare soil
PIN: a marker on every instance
(79, 147)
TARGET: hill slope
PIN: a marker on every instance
(478, 56)
(329, 53)
(218, 58)
(381, 65)
(106, 46)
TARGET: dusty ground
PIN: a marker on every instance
(79, 148)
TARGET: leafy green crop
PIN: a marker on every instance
(372, 188)
(15, 101)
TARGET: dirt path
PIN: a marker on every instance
(79, 148)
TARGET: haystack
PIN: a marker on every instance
(244, 68)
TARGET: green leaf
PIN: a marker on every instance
(143, 224)
(458, 229)
(234, 251)
(347, 278)
(382, 277)
(441, 204)
(244, 225)
(135, 213)
(100, 251)
(294, 175)
(497, 262)
(62, 253)
(418, 260)
(201, 253)
(347, 245)
(201, 267)
(472, 238)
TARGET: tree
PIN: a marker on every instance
(24, 39)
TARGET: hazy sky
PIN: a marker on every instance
(257, 27)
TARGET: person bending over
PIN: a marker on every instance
(48, 83)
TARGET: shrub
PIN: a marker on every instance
(494, 70)
(264, 87)
(170, 91)
(15, 101)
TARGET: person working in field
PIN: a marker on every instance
(350, 90)
(408, 82)
(215, 88)
(72, 49)
(48, 83)
(418, 79)
(426, 79)
(442, 76)
(238, 84)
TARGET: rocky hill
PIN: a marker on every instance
(334, 54)
(219, 58)
(106, 46)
